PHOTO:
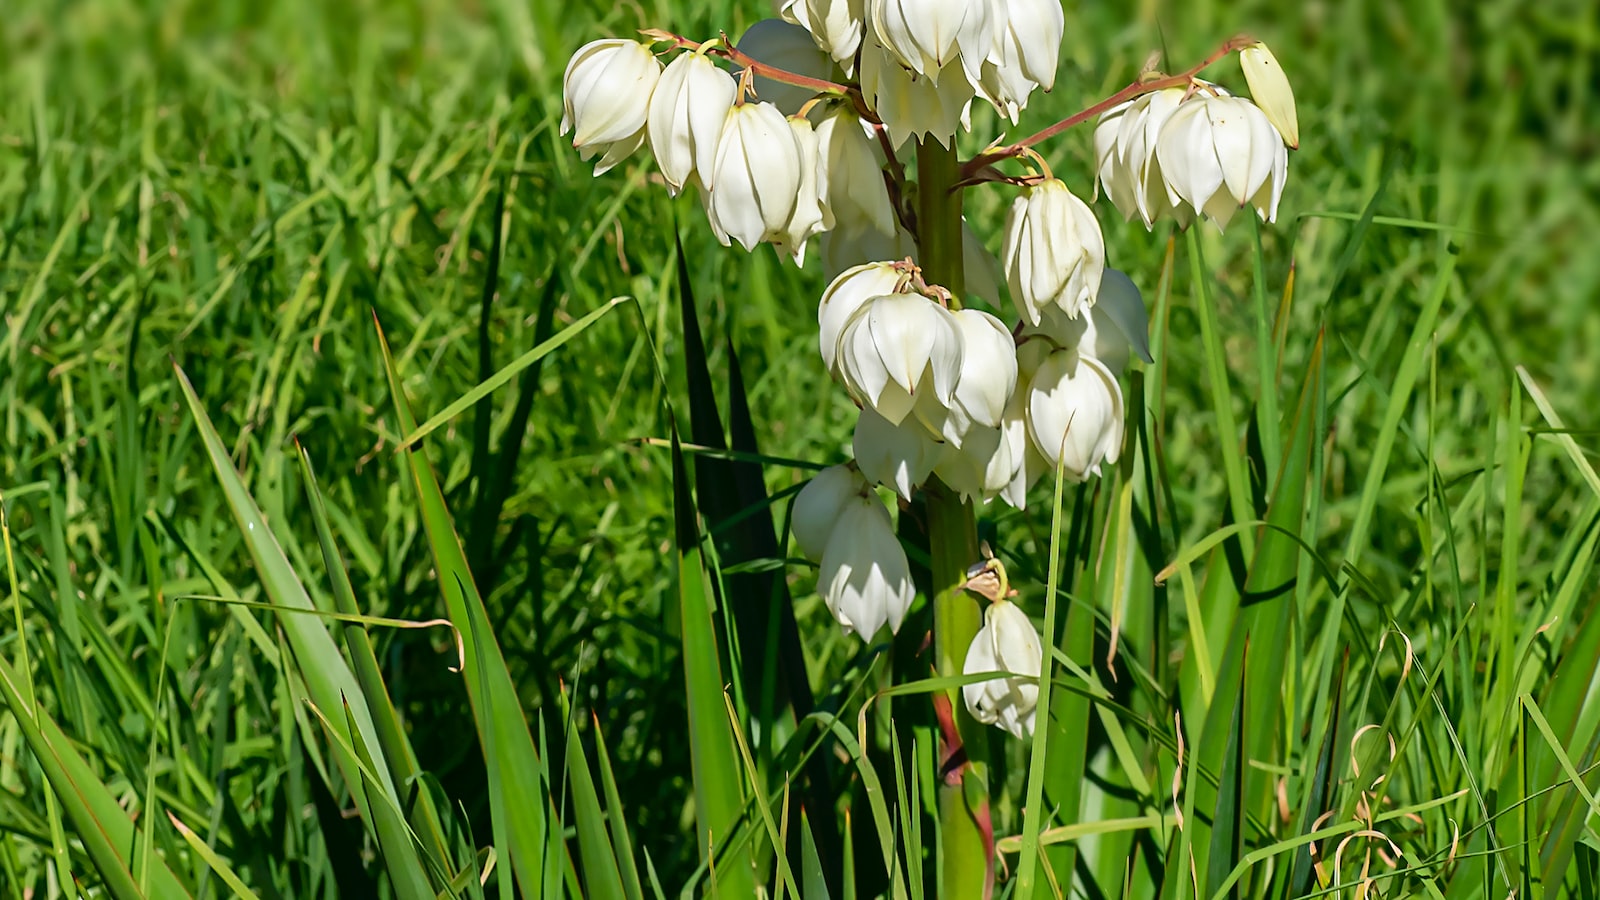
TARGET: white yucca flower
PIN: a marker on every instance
(687, 112)
(911, 104)
(1219, 154)
(1125, 156)
(864, 576)
(1007, 642)
(897, 346)
(605, 94)
(755, 183)
(1053, 251)
(835, 25)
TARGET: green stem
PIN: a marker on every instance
(966, 842)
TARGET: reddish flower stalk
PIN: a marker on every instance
(972, 170)
(725, 49)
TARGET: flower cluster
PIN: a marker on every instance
(799, 148)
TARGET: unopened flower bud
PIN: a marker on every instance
(864, 577)
(835, 25)
(789, 47)
(846, 294)
(755, 183)
(899, 457)
(896, 346)
(1053, 251)
(1075, 414)
(1269, 88)
(687, 112)
(818, 505)
(606, 95)
(1219, 154)
(849, 176)
(1007, 642)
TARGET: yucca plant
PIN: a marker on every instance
(390, 509)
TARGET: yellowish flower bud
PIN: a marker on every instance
(1269, 88)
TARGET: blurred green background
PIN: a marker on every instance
(238, 189)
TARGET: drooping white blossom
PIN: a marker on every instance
(818, 506)
(1053, 251)
(845, 294)
(687, 112)
(896, 346)
(1269, 88)
(912, 104)
(864, 577)
(985, 463)
(1075, 414)
(1007, 642)
(850, 177)
(606, 93)
(789, 47)
(755, 182)
(899, 457)
(928, 35)
(1125, 157)
(808, 218)
(835, 25)
(1220, 154)
(1024, 53)
(988, 376)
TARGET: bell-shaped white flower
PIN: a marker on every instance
(755, 183)
(986, 462)
(1219, 154)
(1053, 251)
(1024, 53)
(789, 47)
(898, 457)
(988, 376)
(835, 25)
(847, 293)
(1269, 88)
(912, 104)
(896, 346)
(1125, 156)
(687, 113)
(1007, 642)
(606, 95)
(808, 217)
(818, 505)
(927, 35)
(850, 177)
(1075, 414)
(864, 577)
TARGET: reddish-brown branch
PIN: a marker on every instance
(725, 49)
(973, 168)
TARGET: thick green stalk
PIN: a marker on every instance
(965, 852)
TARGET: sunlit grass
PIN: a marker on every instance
(251, 194)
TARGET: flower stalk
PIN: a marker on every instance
(972, 171)
(966, 854)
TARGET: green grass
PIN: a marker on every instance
(203, 679)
